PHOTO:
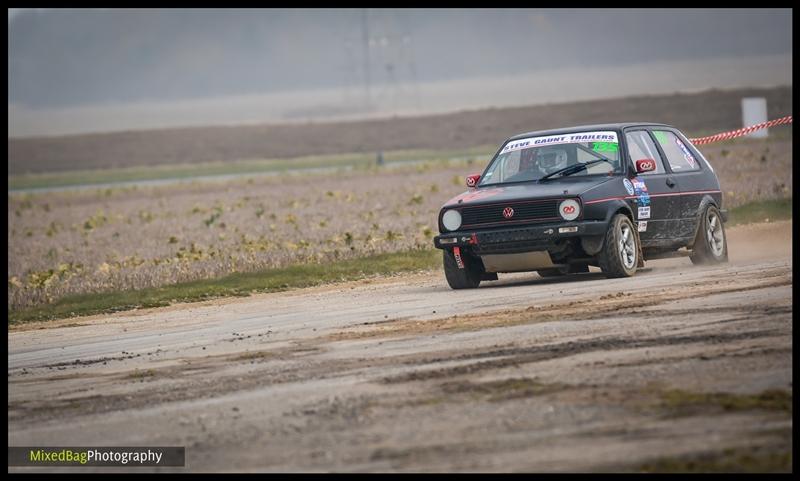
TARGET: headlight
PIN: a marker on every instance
(451, 219)
(569, 209)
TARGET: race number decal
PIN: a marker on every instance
(605, 146)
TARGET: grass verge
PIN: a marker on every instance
(761, 211)
(233, 168)
(737, 460)
(240, 284)
(680, 401)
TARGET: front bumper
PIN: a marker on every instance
(519, 239)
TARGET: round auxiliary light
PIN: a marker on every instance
(569, 209)
(451, 220)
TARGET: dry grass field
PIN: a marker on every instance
(74, 242)
(135, 237)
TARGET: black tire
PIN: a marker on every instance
(564, 270)
(711, 244)
(467, 278)
(620, 254)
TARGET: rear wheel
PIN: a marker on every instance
(711, 245)
(467, 278)
(620, 253)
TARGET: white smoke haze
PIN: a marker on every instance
(94, 71)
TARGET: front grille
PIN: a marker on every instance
(527, 211)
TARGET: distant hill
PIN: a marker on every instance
(695, 114)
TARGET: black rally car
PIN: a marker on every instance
(558, 201)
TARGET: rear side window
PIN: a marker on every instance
(641, 146)
(679, 156)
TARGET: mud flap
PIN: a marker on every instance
(457, 255)
(639, 256)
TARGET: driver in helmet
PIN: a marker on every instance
(549, 161)
(535, 163)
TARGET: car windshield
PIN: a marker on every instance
(554, 156)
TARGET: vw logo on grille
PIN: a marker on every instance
(508, 212)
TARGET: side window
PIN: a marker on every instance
(679, 156)
(641, 146)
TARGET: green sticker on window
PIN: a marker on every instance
(660, 136)
(605, 146)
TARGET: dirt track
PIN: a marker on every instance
(524, 374)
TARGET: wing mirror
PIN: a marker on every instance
(472, 180)
(645, 165)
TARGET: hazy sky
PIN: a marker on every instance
(92, 59)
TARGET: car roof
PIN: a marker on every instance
(585, 128)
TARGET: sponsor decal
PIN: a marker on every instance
(644, 212)
(628, 186)
(570, 209)
(686, 154)
(645, 165)
(584, 137)
(642, 226)
(508, 212)
(640, 191)
(457, 255)
(608, 138)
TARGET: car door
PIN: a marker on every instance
(687, 170)
(654, 202)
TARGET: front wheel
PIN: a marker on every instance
(711, 245)
(620, 253)
(467, 278)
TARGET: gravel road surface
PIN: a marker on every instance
(581, 373)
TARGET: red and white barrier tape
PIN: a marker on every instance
(741, 132)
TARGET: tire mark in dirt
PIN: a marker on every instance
(745, 352)
(619, 304)
(527, 355)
